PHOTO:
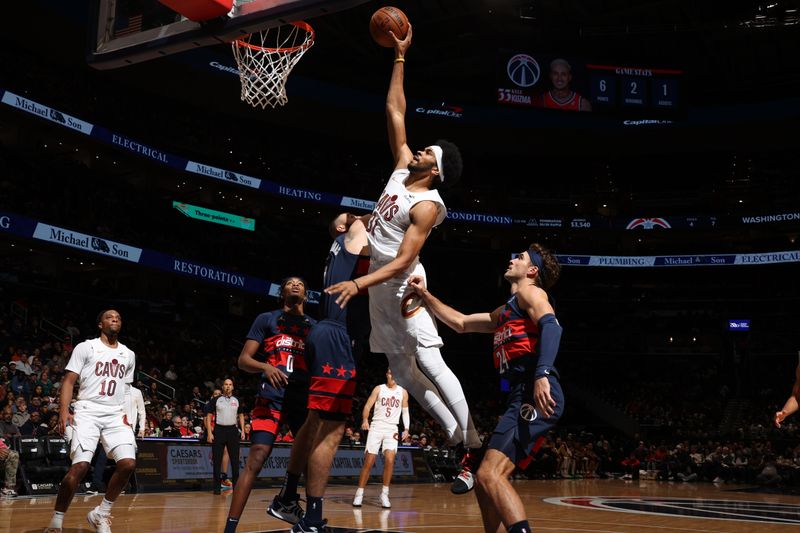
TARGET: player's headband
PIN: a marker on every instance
(536, 259)
(437, 151)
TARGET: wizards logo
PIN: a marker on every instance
(648, 223)
(743, 511)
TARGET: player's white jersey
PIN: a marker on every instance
(392, 216)
(388, 406)
(103, 371)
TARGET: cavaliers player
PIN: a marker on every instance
(791, 404)
(389, 400)
(105, 368)
(275, 348)
(526, 339)
(409, 208)
(329, 355)
(561, 96)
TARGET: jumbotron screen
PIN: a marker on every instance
(550, 81)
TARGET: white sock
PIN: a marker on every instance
(385, 490)
(359, 491)
(57, 520)
(105, 507)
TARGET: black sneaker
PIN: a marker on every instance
(288, 512)
(303, 527)
(94, 488)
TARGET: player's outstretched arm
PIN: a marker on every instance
(423, 218)
(396, 105)
(791, 406)
(368, 407)
(456, 320)
(249, 363)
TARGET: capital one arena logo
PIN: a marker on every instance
(739, 510)
(523, 70)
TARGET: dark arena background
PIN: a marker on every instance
(673, 206)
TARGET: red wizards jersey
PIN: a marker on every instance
(515, 340)
(573, 103)
(282, 337)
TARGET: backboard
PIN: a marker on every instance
(133, 31)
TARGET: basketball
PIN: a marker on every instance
(388, 19)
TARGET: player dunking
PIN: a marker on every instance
(330, 360)
(407, 211)
(526, 340)
(105, 368)
(275, 348)
(390, 400)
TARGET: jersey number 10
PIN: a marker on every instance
(112, 387)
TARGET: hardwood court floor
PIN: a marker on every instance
(432, 508)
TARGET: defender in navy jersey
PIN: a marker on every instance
(329, 355)
(526, 339)
(275, 348)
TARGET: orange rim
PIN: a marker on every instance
(300, 24)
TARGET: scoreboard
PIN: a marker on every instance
(629, 87)
(531, 80)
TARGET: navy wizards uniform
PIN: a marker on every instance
(517, 351)
(329, 350)
(282, 337)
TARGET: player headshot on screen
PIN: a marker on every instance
(561, 95)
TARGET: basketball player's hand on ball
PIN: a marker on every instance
(275, 377)
(400, 47)
(541, 397)
(779, 416)
(417, 283)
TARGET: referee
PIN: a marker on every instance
(222, 431)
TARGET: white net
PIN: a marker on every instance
(266, 59)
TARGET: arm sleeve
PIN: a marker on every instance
(141, 413)
(78, 358)
(406, 419)
(131, 370)
(549, 340)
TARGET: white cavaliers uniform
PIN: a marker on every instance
(105, 374)
(385, 416)
(399, 323)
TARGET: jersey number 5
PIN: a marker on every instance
(112, 387)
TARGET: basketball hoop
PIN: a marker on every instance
(266, 59)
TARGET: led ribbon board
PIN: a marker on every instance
(216, 217)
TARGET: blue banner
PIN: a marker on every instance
(183, 164)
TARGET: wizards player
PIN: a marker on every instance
(330, 360)
(275, 348)
(526, 339)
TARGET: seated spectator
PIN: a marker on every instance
(39, 427)
(631, 466)
(22, 417)
(173, 431)
(7, 428)
(10, 463)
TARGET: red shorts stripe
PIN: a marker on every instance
(331, 404)
(332, 385)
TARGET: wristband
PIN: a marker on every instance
(356, 284)
(400, 59)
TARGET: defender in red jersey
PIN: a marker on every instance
(526, 339)
(275, 348)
